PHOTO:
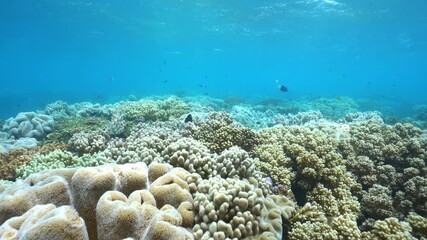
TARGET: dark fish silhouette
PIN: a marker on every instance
(189, 118)
(283, 88)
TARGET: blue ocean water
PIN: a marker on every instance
(88, 50)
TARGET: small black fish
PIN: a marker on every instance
(258, 122)
(189, 118)
(165, 81)
(283, 88)
(206, 77)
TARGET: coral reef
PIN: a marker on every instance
(357, 117)
(390, 228)
(65, 128)
(21, 143)
(314, 157)
(219, 133)
(117, 126)
(29, 124)
(91, 142)
(53, 160)
(153, 109)
(231, 208)
(334, 108)
(136, 170)
(45, 222)
(274, 163)
(234, 162)
(251, 118)
(17, 158)
(300, 118)
(190, 155)
(390, 163)
(159, 201)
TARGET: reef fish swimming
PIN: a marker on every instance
(282, 88)
(189, 118)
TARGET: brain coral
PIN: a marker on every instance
(159, 200)
(29, 124)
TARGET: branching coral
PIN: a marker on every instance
(190, 155)
(393, 157)
(418, 224)
(88, 142)
(390, 228)
(377, 203)
(52, 160)
(219, 133)
(232, 208)
(314, 157)
(274, 163)
(153, 110)
(14, 159)
(333, 107)
(59, 159)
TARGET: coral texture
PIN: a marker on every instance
(158, 195)
(91, 142)
(219, 133)
(232, 208)
(29, 124)
(45, 222)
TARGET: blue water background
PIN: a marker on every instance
(102, 50)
